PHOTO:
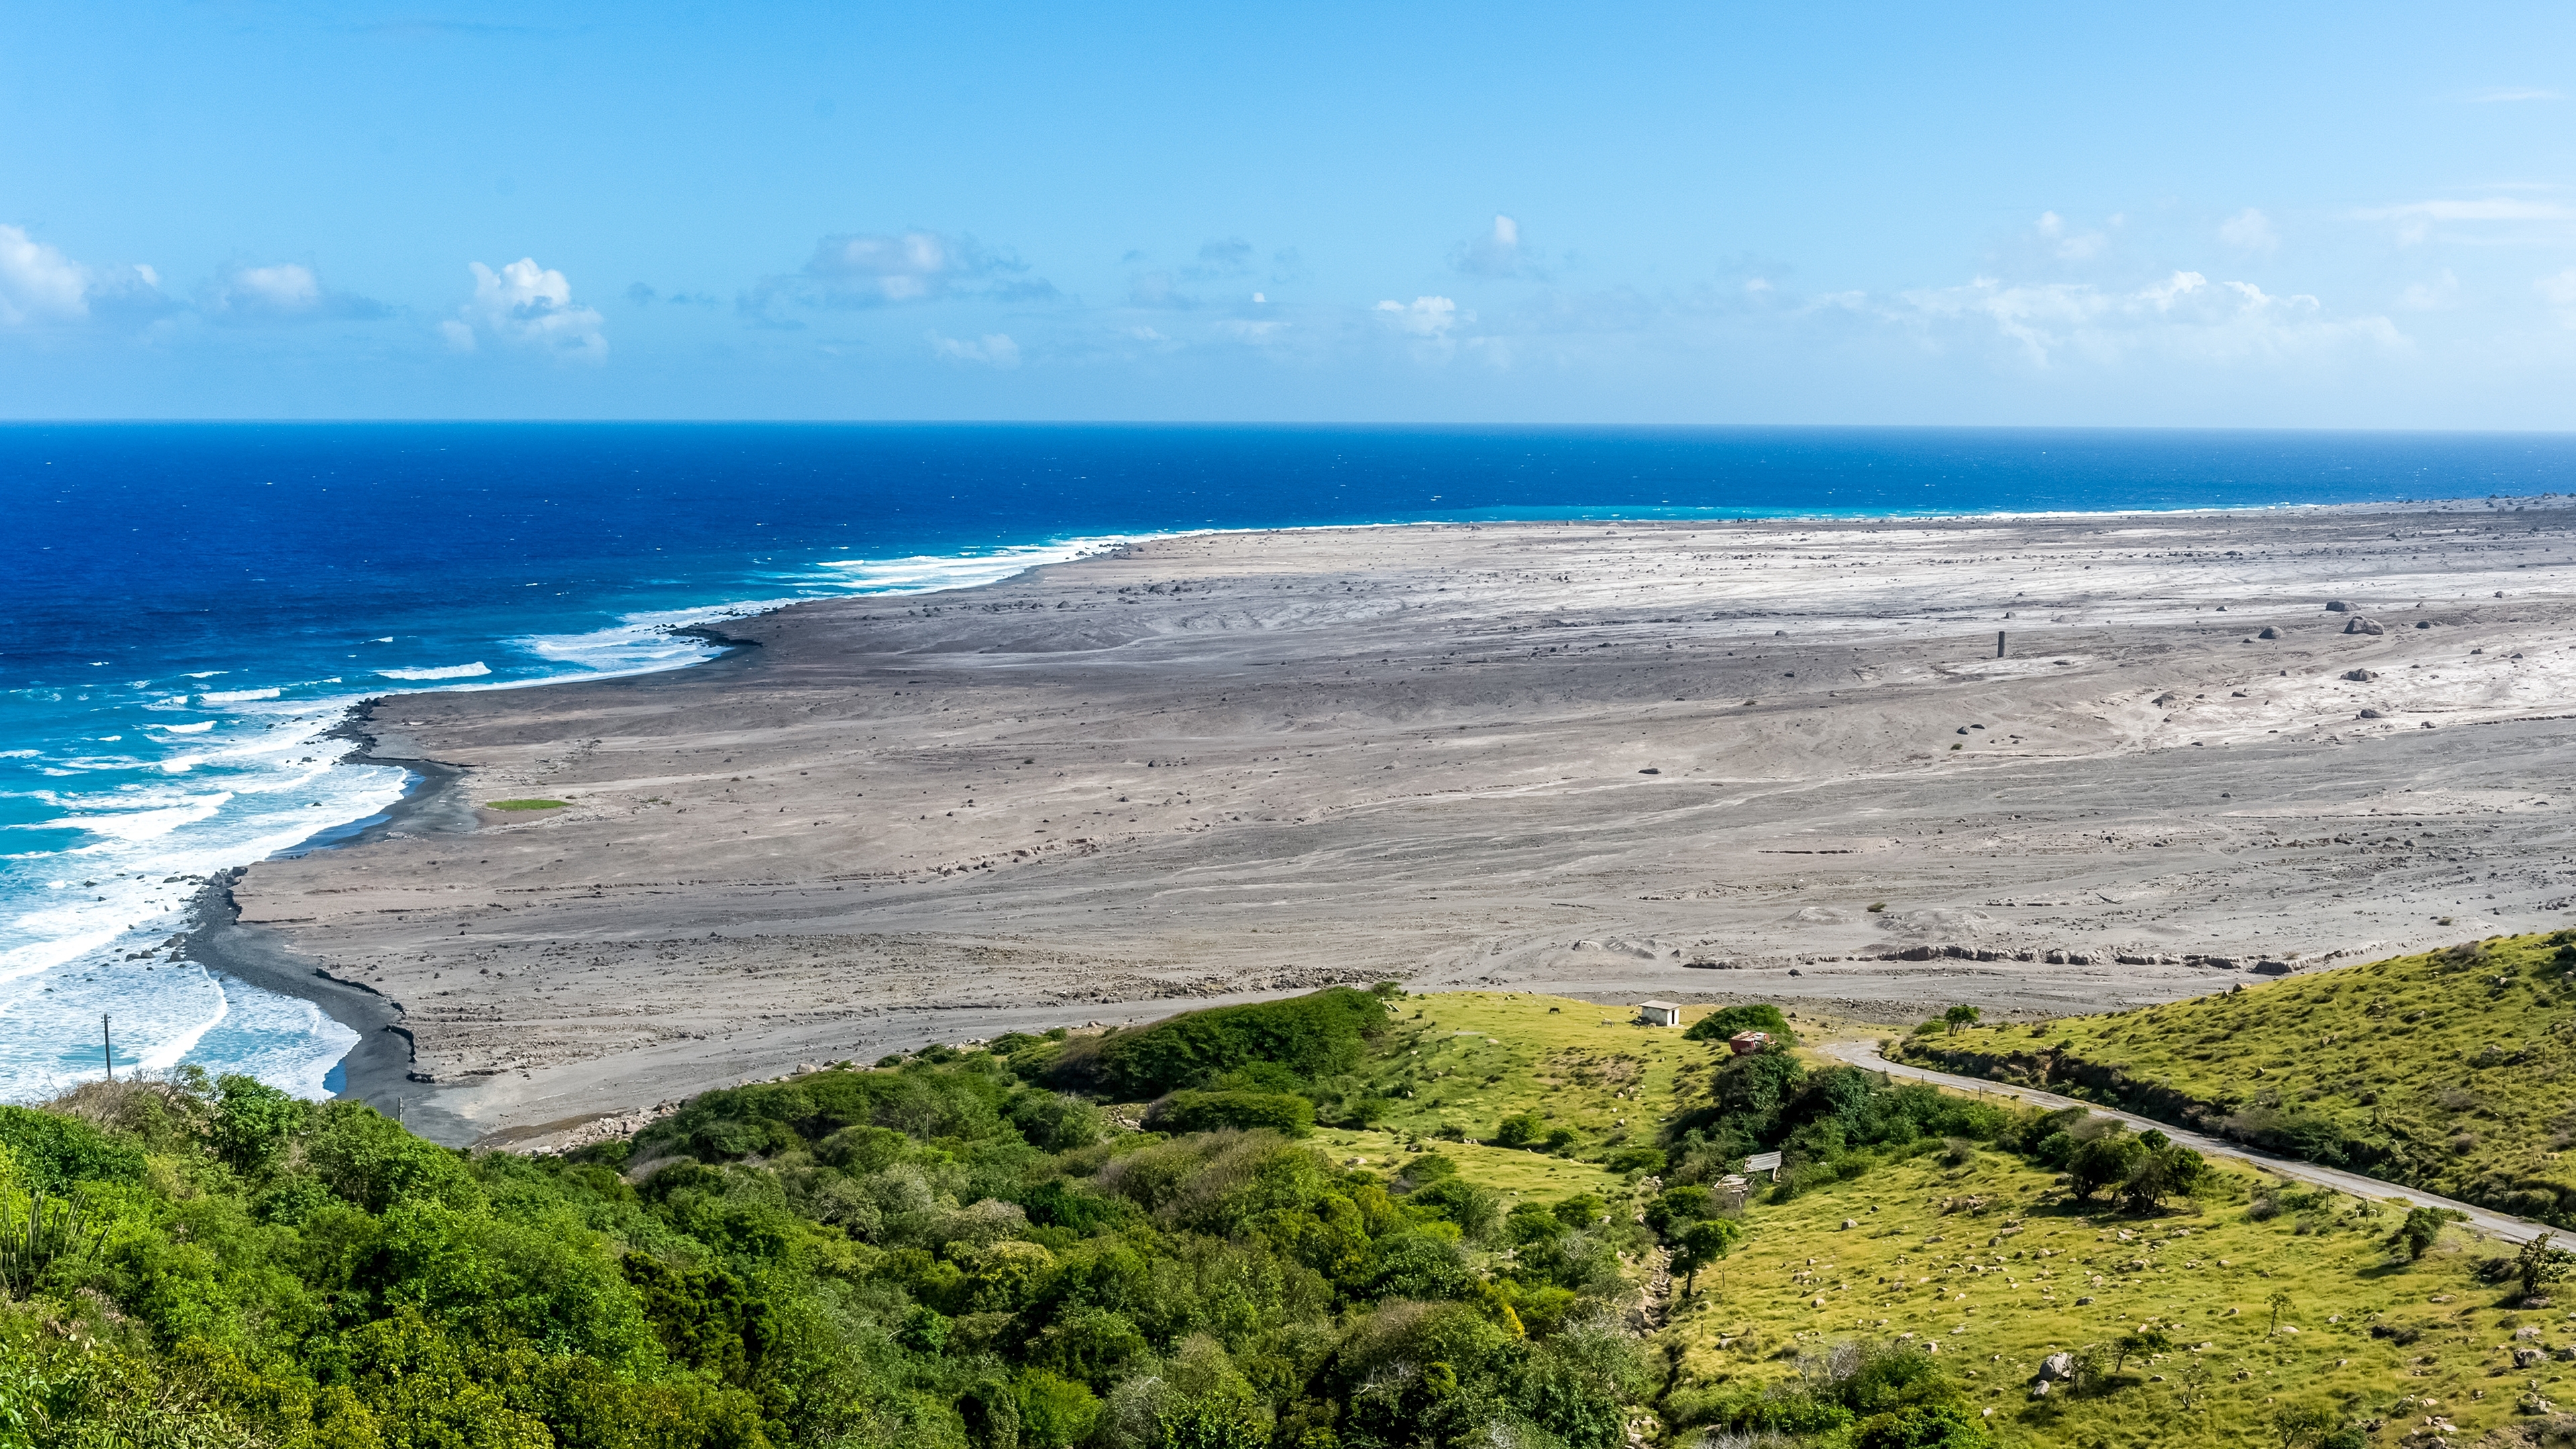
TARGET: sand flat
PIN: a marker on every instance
(1575, 757)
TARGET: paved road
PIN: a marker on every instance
(2485, 1220)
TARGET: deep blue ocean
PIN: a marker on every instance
(190, 607)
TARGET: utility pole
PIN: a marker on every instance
(106, 1046)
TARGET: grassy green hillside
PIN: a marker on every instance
(1350, 1221)
(939, 1251)
(2449, 1070)
(1980, 1253)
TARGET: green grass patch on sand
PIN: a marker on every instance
(2449, 1070)
(1460, 1064)
(1978, 1251)
(526, 804)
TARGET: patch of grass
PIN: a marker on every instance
(1466, 1060)
(2024, 1275)
(2453, 1070)
(526, 804)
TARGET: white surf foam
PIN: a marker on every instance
(83, 916)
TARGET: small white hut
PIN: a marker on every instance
(1658, 1013)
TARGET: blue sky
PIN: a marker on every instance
(2236, 215)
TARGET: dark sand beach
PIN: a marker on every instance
(1696, 761)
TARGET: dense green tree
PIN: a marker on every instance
(2421, 1229)
(1727, 1021)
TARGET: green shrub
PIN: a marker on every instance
(54, 1151)
(1055, 1413)
(253, 1122)
(1187, 1111)
(1727, 1021)
(1320, 1035)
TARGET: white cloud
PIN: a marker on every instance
(1426, 317)
(1497, 253)
(2070, 245)
(527, 306)
(285, 292)
(2560, 292)
(994, 349)
(38, 284)
(1251, 332)
(904, 268)
(2184, 317)
(879, 269)
(2249, 230)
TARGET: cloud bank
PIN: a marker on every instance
(881, 269)
(40, 286)
(283, 292)
(527, 307)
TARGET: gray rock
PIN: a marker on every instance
(2359, 676)
(2423, 623)
(2271, 968)
(2338, 606)
(2359, 625)
(2056, 1366)
(2269, 633)
(2370, 714)
(2524, 1358)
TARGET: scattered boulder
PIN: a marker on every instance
(2359, 625)
(2269, 633)
(2524, 1358)
(2056, 1366)
(2360, 676)
(2337, 606)
(2370, 714)
(2423, 623)
(2271, 968)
